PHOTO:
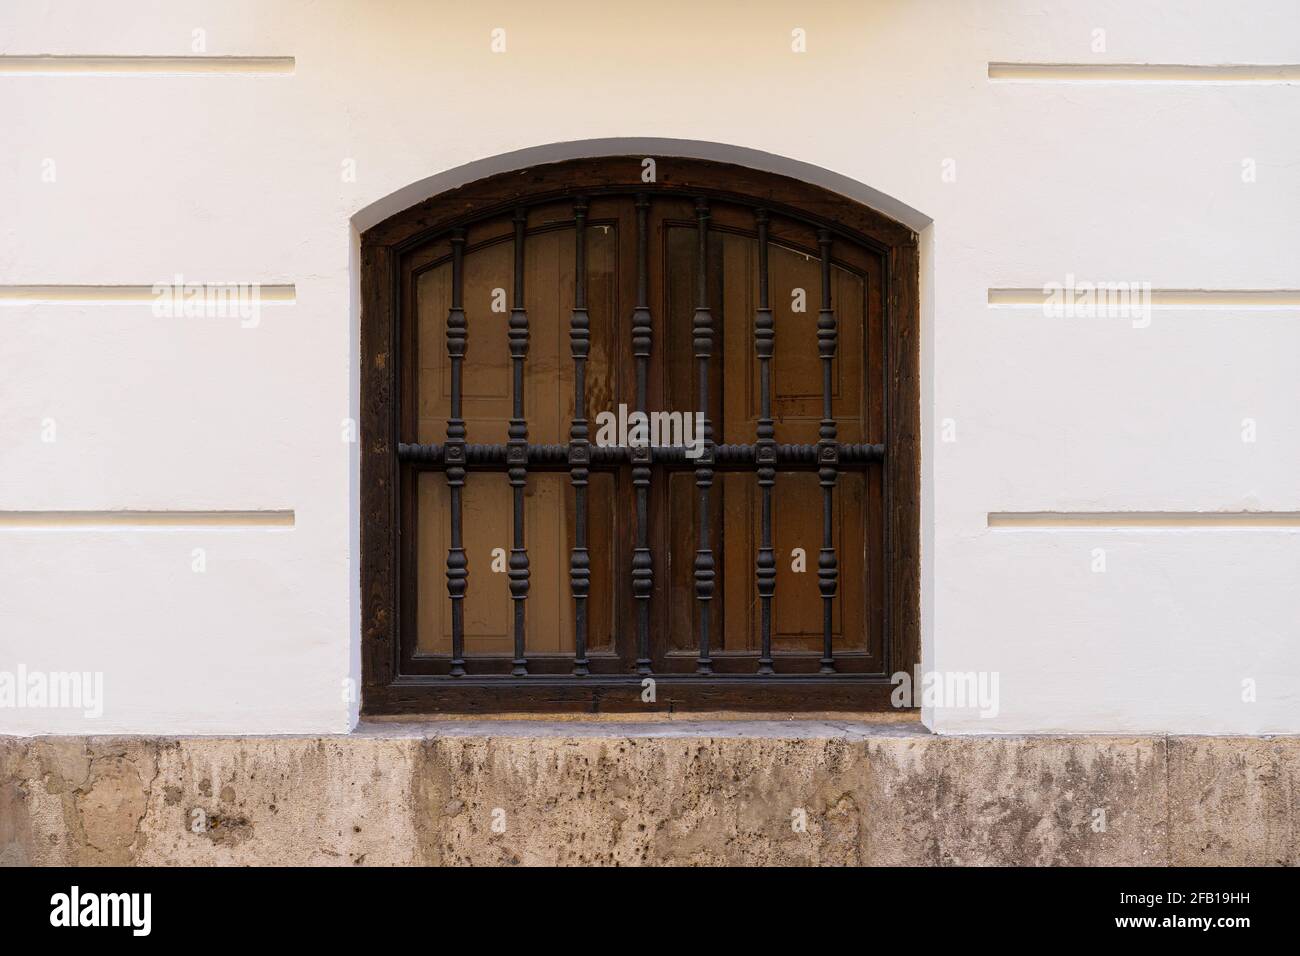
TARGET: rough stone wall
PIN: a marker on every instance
(689, 794)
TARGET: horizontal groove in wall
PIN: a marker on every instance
(1145, 72)
(47, 65)
(55, 294)
(1124, 520)
(143, 520)
(1169, 298)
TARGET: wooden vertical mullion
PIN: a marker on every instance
(827, 456)
(381, 515)
(517, 449)
(454, 456)
(642, 339)
(765, 453)
(703, 344)
(579, 446)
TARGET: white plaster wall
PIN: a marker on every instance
(237, 178)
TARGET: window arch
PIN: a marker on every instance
(615, 430)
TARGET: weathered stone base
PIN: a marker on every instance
(683, 792)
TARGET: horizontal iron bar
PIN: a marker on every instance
(489, 454)
(558, 455)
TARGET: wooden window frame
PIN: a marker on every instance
(388, 691)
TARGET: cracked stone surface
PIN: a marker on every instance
(829, 792)
(1237, 805)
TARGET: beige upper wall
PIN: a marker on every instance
(239, 178)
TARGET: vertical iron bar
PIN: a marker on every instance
(765, 454)
(454, 455)
(642, 563)
(703, 342)
(517, 447)
(579, 448)
(827, 454)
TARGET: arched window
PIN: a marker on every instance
(617, 430)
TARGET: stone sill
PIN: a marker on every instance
(775, 726)
(705, 789)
